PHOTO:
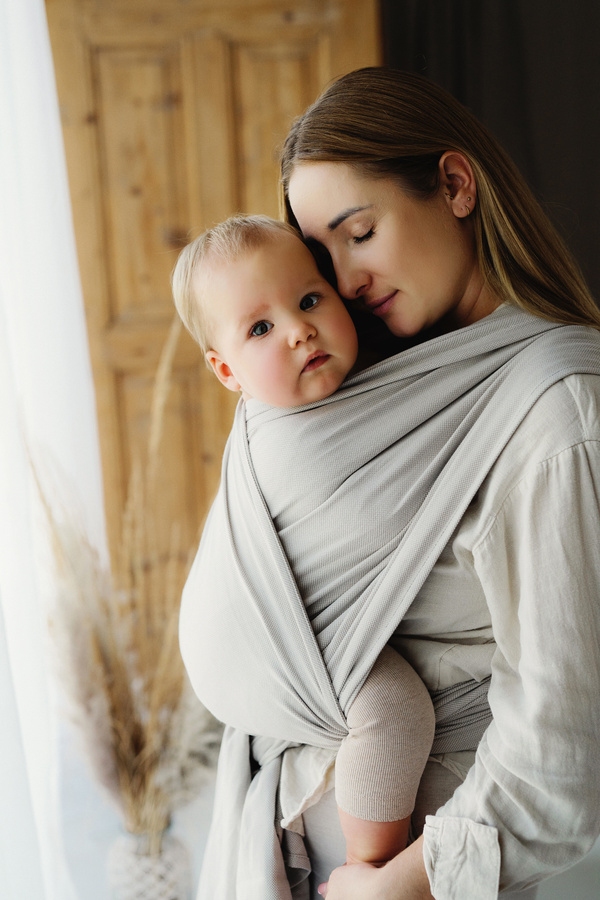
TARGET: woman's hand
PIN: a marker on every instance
(403, 878)
(359, 880)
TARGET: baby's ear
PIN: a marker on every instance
(222, 371)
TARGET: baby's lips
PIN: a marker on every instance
(315, 356)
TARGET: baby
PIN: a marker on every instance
(273, 328)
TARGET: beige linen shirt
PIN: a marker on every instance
(516, 593)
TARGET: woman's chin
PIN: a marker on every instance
(402, 326)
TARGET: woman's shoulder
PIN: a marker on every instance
(566, 413)
(565, 417)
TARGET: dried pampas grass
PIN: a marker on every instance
(148, 739)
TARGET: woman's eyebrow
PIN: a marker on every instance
(344, 215)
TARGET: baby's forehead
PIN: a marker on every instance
(280, 240)
(271, 240)
(218, 264)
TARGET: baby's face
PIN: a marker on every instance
(281, 334)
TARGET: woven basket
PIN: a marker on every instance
(135, 874)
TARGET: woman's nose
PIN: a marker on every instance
(352, 283)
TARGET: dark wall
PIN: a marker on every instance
(530, 70)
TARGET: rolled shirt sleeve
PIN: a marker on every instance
(462, 859)
(530, 805)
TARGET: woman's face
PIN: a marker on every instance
(410, 261)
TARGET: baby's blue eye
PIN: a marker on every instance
(309, 301)
(260, 328)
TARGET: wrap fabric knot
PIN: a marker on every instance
(293, 594)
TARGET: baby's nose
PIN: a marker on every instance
(302, 330)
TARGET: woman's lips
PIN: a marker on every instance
(381, 306)
(316, 360)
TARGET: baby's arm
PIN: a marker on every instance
(379, 765)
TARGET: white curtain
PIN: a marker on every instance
(46, 403)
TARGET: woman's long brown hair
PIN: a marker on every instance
(392, 124)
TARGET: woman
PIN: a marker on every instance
(430, 227)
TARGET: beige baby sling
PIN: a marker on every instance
(277, 643)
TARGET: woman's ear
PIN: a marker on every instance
(222, 371)
(458, 183)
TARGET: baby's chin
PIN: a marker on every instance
(313, 393)
(296, 403)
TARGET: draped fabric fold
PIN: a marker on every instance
(328, 520)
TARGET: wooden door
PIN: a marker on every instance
(172, 114)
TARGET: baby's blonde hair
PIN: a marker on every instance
(221, 244)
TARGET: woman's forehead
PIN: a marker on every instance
(323, 195)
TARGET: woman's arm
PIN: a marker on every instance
(533, 788)
(403, 878)
(535, 777)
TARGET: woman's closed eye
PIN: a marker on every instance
(260, 328)
(309, 301)
(362, 238)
